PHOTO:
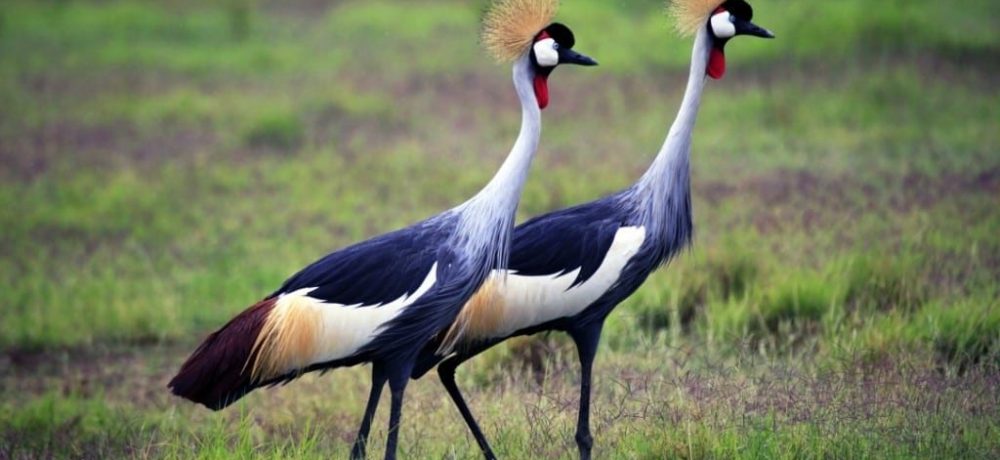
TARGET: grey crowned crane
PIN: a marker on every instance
(569, 268)
(380, 301)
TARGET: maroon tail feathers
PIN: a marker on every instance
(217, 374)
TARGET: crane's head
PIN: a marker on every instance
(514, 29)
(553, 46)
(723, 21)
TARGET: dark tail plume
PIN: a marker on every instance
(216, 374)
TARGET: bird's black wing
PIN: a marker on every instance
(376, 271)
(565, 240)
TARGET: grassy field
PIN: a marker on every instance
(165, 164)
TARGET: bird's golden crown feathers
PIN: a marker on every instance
(510, 26)
(690, 15)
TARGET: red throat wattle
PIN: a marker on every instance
(542, 91)
(716, 63)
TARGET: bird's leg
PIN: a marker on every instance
(397, 385)
(586, 346)
(378, 381)
(446, 372)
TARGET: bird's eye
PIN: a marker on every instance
(732, 19)
(555, 45)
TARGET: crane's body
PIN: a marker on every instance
(363, 303)
(570, 268)
(380, 301)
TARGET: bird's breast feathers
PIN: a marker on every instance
(509, 302)
(301, 330)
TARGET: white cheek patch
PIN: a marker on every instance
(546, 54)
(723, 26)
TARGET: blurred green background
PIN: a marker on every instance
(165, 164)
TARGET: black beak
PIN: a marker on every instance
(744, 27)
(568, 56)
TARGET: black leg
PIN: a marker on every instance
(586, 346)
(378, 381)
(446, 372)
(397, 385)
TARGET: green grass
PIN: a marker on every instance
(280, 130)
(167, 163)
(685, 406)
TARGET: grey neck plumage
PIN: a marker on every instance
(663, 195)
(486, 221)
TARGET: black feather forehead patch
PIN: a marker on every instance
(561, 34)
(739, 8)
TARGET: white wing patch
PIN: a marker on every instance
(533, 300)
(341, 330)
